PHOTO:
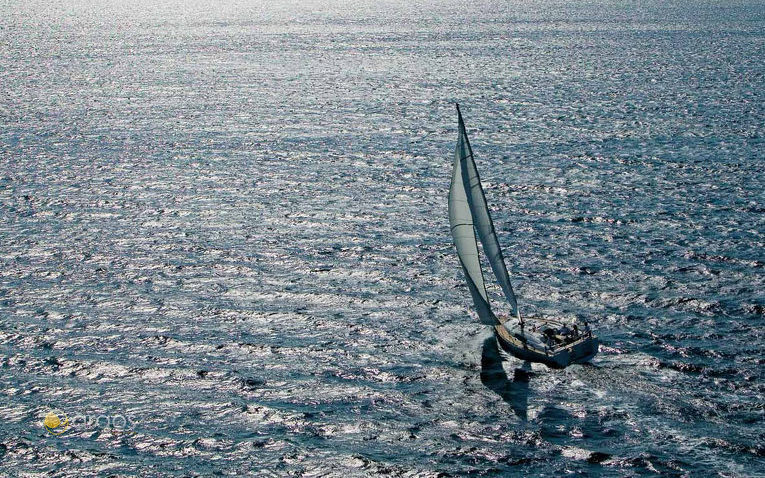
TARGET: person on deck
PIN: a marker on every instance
(549, 337)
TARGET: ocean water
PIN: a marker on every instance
(225, 250)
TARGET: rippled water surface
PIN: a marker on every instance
(226, 223)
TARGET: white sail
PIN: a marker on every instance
(461, 222)
(484, 226)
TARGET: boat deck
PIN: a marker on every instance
(507, 336)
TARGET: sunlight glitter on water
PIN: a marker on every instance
(229, 221)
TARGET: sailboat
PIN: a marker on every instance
(553, 342)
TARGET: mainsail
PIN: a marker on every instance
(468, 216)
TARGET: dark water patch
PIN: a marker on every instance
(683, 367)
(757, 450)
(252, 383)
(724, 259)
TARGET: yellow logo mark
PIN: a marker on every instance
(56, 422)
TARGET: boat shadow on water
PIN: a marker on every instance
(493, 376)
(555, 423)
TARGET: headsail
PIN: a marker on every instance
(461, 222)
(483, 224)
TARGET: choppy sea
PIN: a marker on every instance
(224, 244)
